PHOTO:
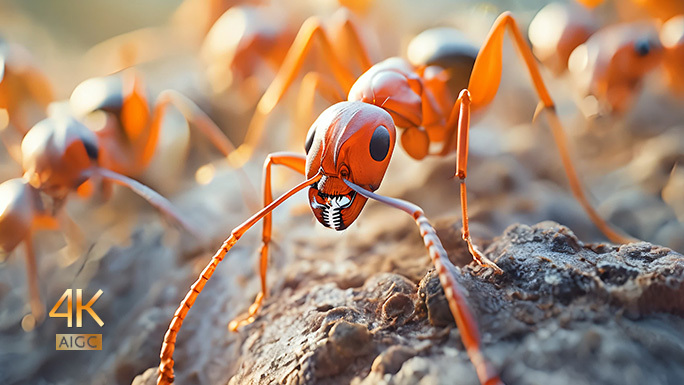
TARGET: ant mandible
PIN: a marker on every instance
(349, 146)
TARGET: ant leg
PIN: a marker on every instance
(11, 139)
(313, 83)
(310, 32)
(454, 292)
(38, 86)
(486, 74)
(37, 306)
(484, 83)
(151, 196)
(205, 125)
(296, 162)
(169, 344)
(195, 116)
(462, 105)
(135, 121)
(345, 29)
(576, 187)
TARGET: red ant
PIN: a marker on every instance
(607, 65)
(245, 42)
(61, 155)
(129, 134)
(349, 146)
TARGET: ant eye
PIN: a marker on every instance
(642, 47)
(309, 140)
(91, 149)
(379, 143)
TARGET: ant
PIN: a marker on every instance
(59, 155)
(349, 146)
(248, 43)
(129, 133)
(607, 64)
(245, 42)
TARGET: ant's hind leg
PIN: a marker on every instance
(37, 306)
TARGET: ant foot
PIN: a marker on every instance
(482, 260)
(248, 318)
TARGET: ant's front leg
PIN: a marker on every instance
(296, 162)
(454, 292)
(166, 364)
(459, 123)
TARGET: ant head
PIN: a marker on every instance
(349, 141)
(643, 50)
(18, 203)
(57, 154)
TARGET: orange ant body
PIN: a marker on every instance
(349, 146)
(129, 133)
(59, 155)
(608, 64)
(243, 43)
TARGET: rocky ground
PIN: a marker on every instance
(563, 312)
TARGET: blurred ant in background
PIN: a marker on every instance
(641, 45)
(129, 128)
(59, 157)
(607, 65)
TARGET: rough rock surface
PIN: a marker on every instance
(562, 313)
